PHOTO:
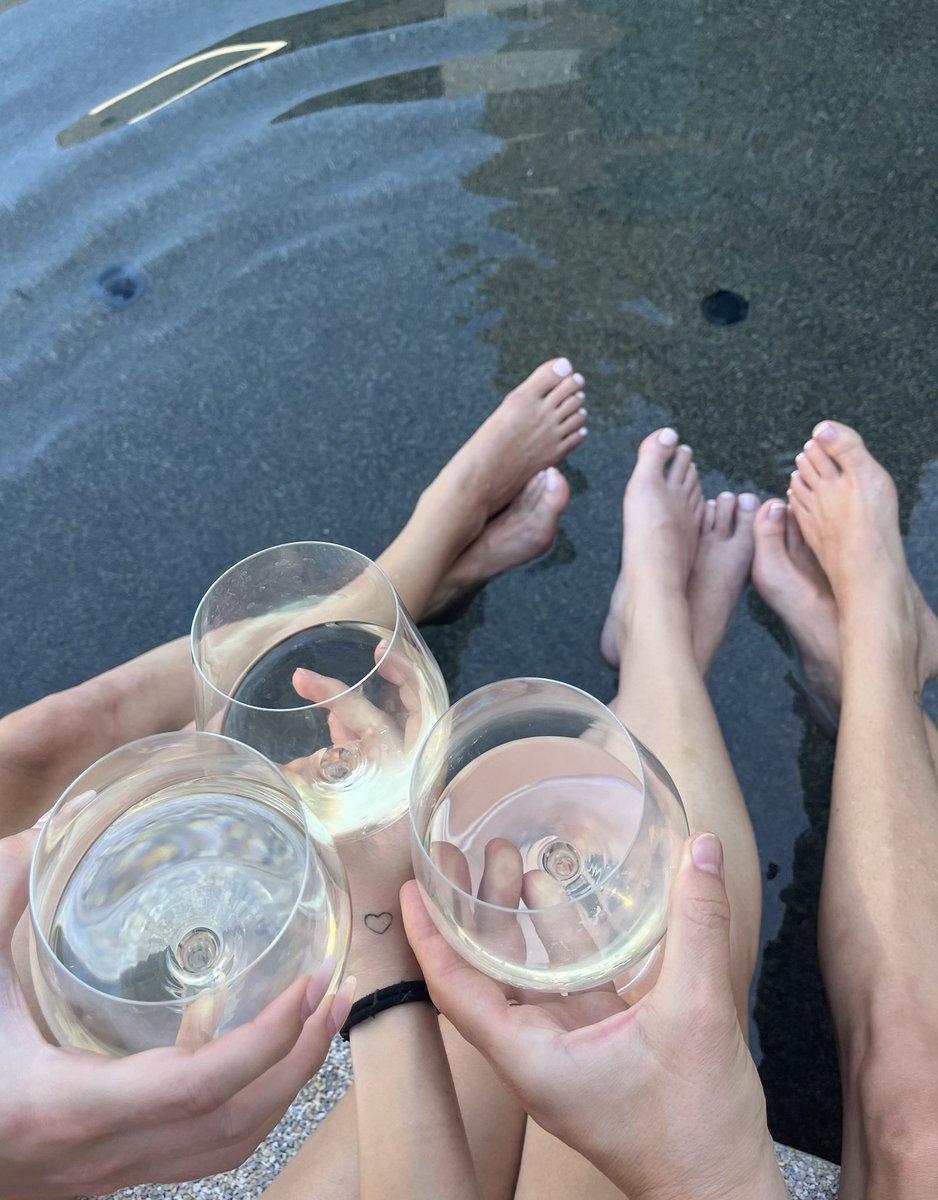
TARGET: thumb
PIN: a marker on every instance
(697, 953)
(15, 856)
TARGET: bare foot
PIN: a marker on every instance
(662, 513)
(536, 426)
(521, 532)
(789, 578)
(847, 509)
(720, 571)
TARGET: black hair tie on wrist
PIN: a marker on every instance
(386, 997)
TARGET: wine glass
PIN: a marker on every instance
(370, 686)
(545, 837)
(176, 888)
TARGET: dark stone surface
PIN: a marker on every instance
(354, 245)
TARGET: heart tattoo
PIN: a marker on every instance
(378, 922)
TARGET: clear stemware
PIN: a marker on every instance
(345, 729)
(176, 888)
(545, 837)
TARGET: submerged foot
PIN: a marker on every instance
(662, 513)
(523, 531)
(720, 571)
(846, 506)
(536, 426)
(789, 578)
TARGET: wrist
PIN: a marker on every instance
(744, 1178)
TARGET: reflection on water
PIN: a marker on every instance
(461, 78)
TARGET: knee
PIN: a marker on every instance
(896, 1082)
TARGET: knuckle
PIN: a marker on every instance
(710, 913)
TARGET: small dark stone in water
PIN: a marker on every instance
(119, 284)
(724, 308)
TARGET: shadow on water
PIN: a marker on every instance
(375, 213)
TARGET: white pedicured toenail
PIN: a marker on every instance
(578, 378)
(748, 502)
(794, 474)
(776, 511)
(668, 437)
(825, 432)
(809, 443)
(582, 412)
(584, 431)
(711, 504)
(562, 367)
(553, 480)
(726, 495)
(580, 395)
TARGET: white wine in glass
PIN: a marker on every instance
(372, 690)
(546, 837)
(176, 889)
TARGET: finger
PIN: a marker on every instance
(175, 1082)
(399, 671)
(15, 856)
(561, 927)
(322, 689)
(475, 1004)
(697, 958)
(357, 714)
(222, 1139)
(499, 928)
(202, 1017)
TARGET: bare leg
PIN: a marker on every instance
(791, 581)
(879, 894)
(684, 566)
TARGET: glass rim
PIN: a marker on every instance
(180, 1003)
(569, 687)
(308, 705)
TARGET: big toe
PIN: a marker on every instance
(842, 443)
(655, 452)
(545, 378)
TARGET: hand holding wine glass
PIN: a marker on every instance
(74, 1121)
(662, 1097)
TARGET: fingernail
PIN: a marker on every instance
(553, 480)
(825, 432)
(342, 1004)
(776, 511)
(562, 367)
(578, 378)
(707, 853)
(318, 986)
(668, 437)
(748, 502)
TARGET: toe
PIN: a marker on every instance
(726, 508)
(807, 469)
(769, 526)
(709, 517)
(556, 493)
(570, 441)
(575, 402)
(655, 452)
(823, 465)
(747, 505)
(843, 444)
(573, 421)
(683, 460)
(564, 390)
(545, 378)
